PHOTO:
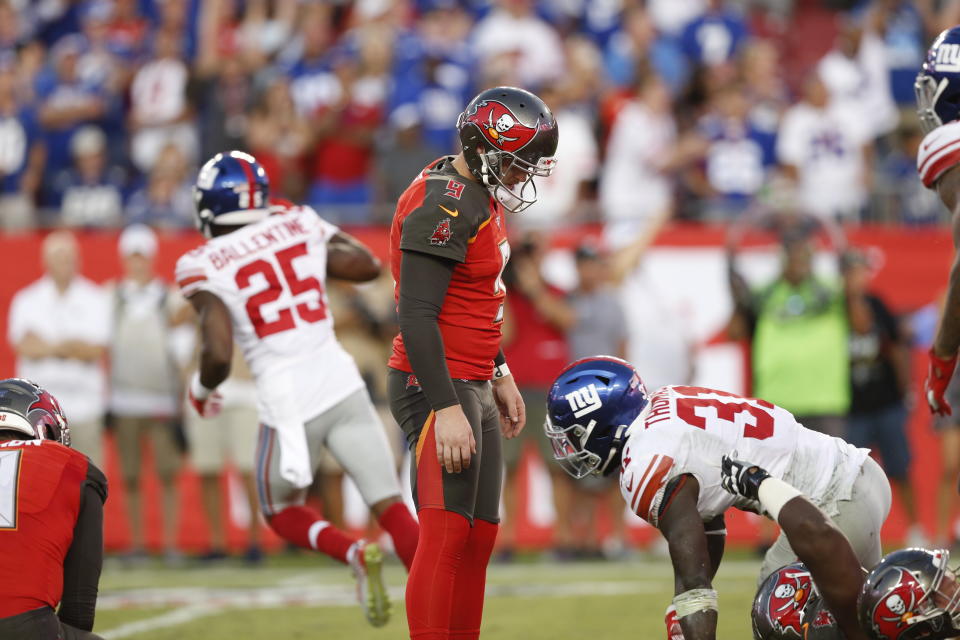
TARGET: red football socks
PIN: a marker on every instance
(430, 585)
(471, 581)
(305, 528)
(399, 523)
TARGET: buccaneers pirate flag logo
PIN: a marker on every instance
(501, 127)
(441, 234)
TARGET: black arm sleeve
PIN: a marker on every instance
(81, 567)
(424, 280)
(500, 359)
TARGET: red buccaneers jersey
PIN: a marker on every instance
(40, 486)
(444, 214)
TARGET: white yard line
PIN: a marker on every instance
(173, 618)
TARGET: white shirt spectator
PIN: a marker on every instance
(81, 313)
(158, 101)
(862, 83)
(671, 16)
(537, 45)
(577, 161)
(633, 188)
(158, 93)
(144, 366)
(826, 147)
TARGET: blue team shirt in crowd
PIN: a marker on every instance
(714, 37)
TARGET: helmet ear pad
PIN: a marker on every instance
(476, 153)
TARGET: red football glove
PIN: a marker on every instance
(938, 377)
(207, 403)
(674, 632)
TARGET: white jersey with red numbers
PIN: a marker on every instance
(271, 276)
(687, 430)
(939, 151)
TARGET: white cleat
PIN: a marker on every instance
(367, 565)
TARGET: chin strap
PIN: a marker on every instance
(614, 452)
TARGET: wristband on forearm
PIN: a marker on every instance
(501, 371)
(773, 494)
(197, 390)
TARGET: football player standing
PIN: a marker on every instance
(668, 449)
(51, 521)
(448, 249)
(938, 106)
(260, 280)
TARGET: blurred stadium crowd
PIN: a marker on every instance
(699, 110)
(692, 106)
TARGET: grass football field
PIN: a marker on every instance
(301, 596)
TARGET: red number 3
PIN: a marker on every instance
(760, 430)
(285, 320)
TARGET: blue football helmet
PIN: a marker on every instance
(590, 406)
(232, 190)
(938, 84)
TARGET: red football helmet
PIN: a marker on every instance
(911, 594)
(778, 608)
(29, 409)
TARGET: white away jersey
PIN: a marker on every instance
(271, 276)
(939, 151)
(687, 430)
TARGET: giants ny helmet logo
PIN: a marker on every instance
(501, 127)
(584, 400)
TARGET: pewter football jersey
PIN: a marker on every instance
(687, 430)
(271, 276)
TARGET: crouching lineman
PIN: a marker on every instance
(668, 446)
(911, 594)
(260, 279)
(51, 521)
(816, 598)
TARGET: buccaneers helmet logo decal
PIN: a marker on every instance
(892, 614)
(441, 233)
(788, 599)
(501, 127)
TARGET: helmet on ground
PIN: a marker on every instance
(589, 408)
(777, 612)
(911, 595)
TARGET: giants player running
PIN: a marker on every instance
(668, 448)
(938, 106)
(448, 249)
(259, 280)
(51, 521)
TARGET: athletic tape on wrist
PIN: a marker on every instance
(199, 391)
(773, 494)
(695, 601)
(501, 371)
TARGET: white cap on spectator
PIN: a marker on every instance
(405, 116)
(372, 8)
(88, 139)
(72, 44)
(138, 238)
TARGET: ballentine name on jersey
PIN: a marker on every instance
(282, 230)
